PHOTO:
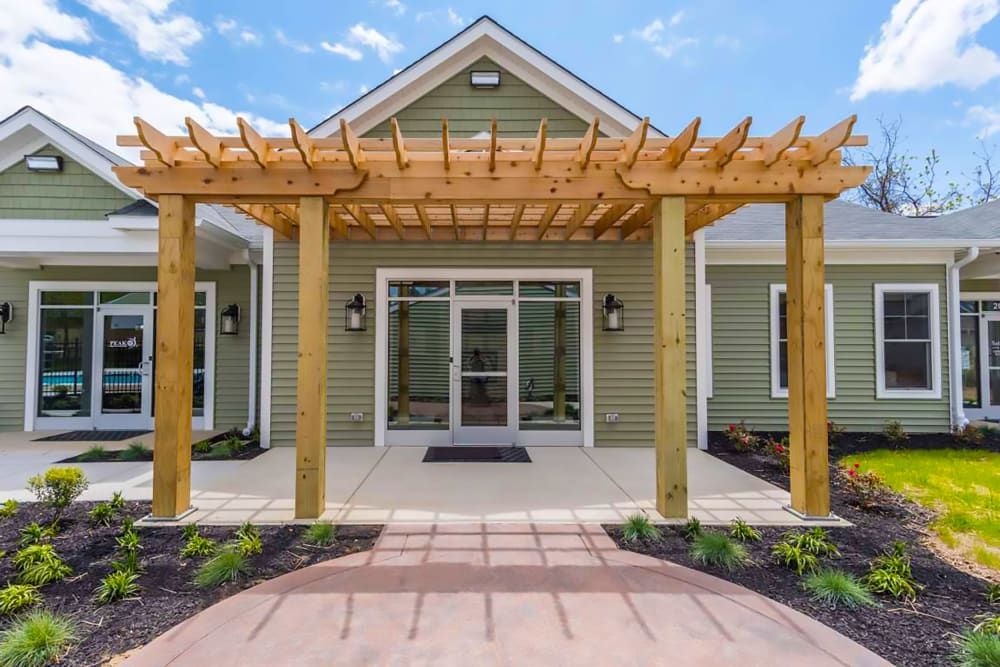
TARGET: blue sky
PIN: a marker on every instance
(94, 63)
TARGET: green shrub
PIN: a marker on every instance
(235, 444)
(59, 487)
(95, 453)
(128, 550)
(195, 545)
(638, 527)
(39, 564)
(743, 531)
(202, 447)
(976, 649)
(837, 589)
(8, 509)
(988, 624)
(992, 593)
(692, 529)
(116, 586)
(37, 639)
(894, 432)
(135, 452)
(223, 451)
(794, 557)
(814, 541)
(718, 550)
(102, 514)
(117, 500)
(15, 597)
(323, 533)
(889, 573)
(247, 540)
(227, 565)
(35, 534)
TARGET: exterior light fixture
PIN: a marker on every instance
(49, 163)
(484, 79)
(613, 313)
(354, 313)
(230, 316)
(6, 315)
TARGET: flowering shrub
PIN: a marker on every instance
(778, 451)
(867, 488)
(744, 439)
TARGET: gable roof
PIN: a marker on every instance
(853, 224)
(484, 37)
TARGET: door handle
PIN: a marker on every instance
(144, 367)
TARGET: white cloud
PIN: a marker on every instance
(671, 47)
(618, 39)
(249, 37)
(383, 45)
(454, 18)
(663, 42)
(39, 18)
(928, 43)
(224, 25)
(295, 45)
(396, 6)
(198, 92)
(676, 18)
(652, 32)
(727, 42)
(181, 79)
(157, 34)
(450, 15)
(397, 70)
(363, 89)
(349, 52)
(98, 99)
(988, 119)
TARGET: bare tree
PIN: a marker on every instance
(902, 183)
(985, 181)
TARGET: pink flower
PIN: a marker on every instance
(732, 428)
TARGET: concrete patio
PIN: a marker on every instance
(391, 485)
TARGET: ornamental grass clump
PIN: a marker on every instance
(8, 509)
(95, 453)
(34, 533)
(102, 514)
(638, 527)
(323, 534)
(229, 564)
(117, 501)
(58, 487)
(37, 639)
(992, 593)
(128, 550)
(718, 550)
(977, 649)
(16, 597)
(247, 540)
(744, 532)
(39, 564)
(692, 529)
(197, 545)
(135, 452)
(890, 574)
(792, 556)
(987, 624)
(837, 589)
(118, 585)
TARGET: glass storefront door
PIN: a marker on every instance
(483, 345)
(125, 360)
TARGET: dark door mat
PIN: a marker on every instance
(476, 455)
(92, 436)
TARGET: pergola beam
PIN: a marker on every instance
(539, 152)
(609, 218)
(543, 225)
(303, 143)
(675, 153)
(587, 144)
(425, 222)
(390, 214)
(725, 149)
(256, 145)
(398, 144)
(361, 216)
(583, 211)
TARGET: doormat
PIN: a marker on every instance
(92, 436)
(476, 455)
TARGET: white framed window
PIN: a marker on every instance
(907, 341)
(779, 342)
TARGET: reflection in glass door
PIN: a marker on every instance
(125, 360)
(487, 400)
(992, 349)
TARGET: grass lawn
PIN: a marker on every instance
(962, 485)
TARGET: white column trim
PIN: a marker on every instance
(266, 335)
(703, 330)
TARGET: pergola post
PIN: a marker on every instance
(310, 418)
(805, 303)
(174, 358)
(670, 358)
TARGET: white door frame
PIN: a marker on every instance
(33, 422)
(144, 418)
(584, 436)
(985, 409)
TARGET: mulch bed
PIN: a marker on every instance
(905, 634)
(168, 594)
(251, 449)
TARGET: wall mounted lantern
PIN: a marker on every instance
(6, 315)
(354, 313)
(613, 313)
(49, 163)
(230, 316)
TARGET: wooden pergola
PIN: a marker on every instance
(533, 189)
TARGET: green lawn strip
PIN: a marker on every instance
(962, 485)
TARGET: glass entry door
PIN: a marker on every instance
(124, 342)
(991, 362)
(484, 383)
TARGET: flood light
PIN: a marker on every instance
(485, 79)
(43, 162)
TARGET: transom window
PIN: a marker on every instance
(908, 352)
(779, 342)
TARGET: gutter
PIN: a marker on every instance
(252, 393)
(958, 418)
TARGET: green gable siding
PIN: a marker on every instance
(623, 361)
(517, 107)
(75, 193)
(231, 352)
(741, 361)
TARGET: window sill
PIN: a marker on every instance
(907, 394)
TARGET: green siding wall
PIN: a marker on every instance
(75, 193)
(231, 352)
(741, 349)
(623, 362)
(517, 107)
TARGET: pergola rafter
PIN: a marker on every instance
(495, 188)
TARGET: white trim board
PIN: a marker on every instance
(703, 339)
(525, 438)
(745, 254)
(881, 392)
(773, 315)
(266, 336)
(35, 287)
